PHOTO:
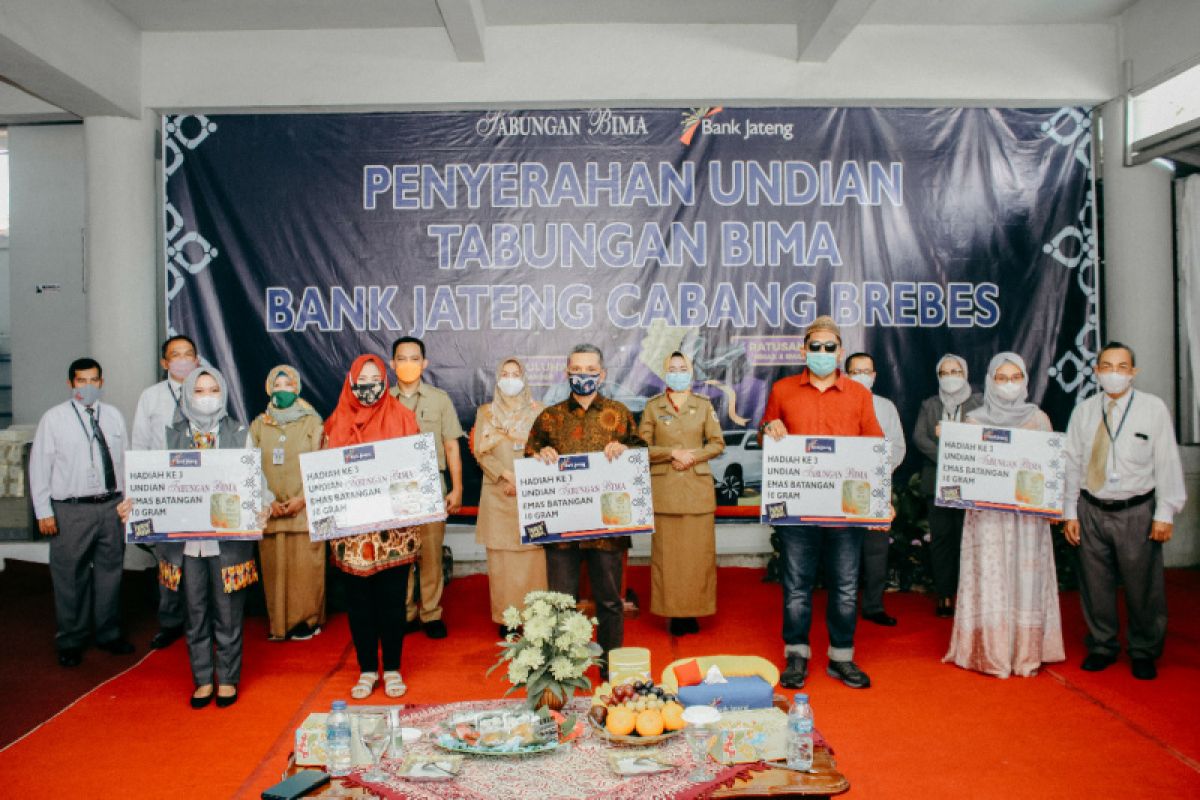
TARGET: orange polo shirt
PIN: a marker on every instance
(843, 409)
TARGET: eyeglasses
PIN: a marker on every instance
(817, 347)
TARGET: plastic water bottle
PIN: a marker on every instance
(800, 734)
(338, 758)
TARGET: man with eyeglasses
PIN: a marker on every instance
(820, 401)
(861, 368)
(1124, 487)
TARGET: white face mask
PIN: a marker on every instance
(952, 383)
(866, 380)
(1114, 382)
(207, 404)
(511, 386)
(1010, 391)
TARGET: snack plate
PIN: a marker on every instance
(448, 742)
(647, 762)
(430, 768)
(631, 741)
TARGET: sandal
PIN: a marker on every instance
(365, 686)
(393, 684)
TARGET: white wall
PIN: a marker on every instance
(49, 330)
(1158, 36)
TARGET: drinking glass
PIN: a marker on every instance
(698, 738)
(375, 735)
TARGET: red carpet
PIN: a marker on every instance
(924, 729)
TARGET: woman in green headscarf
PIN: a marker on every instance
(293, 566)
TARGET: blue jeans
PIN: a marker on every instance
(805, 549)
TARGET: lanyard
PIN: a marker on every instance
(1112, 437)
(90, 435)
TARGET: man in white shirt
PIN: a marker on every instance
(861, 367)
(76, 478)
(1124, 486)
(157, 409)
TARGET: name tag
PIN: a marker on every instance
(1114, 481)
(277, 456)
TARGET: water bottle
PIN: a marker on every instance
(338, 758)
(800, 734)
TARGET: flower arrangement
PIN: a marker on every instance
(553, 650)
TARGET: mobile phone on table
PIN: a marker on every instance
(298, 785)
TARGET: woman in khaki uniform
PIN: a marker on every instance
(497, 438)
(293, 566)
(683, 434)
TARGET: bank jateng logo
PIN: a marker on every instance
(701, 119)
(363, 453)
(999, 435)
(820, 446)
(596, 122)
(191, 459)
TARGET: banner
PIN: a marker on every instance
(835, 481)
(393, 483)
(308, 239)
(192, 495)
(1001, 469)
(584, 496)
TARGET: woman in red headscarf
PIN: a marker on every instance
(376, 564)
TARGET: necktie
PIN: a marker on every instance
(1097, 469)
(110, 474)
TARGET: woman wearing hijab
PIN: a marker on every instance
(683, 434)
(497, 438)
(375, 564)
(953, 402)
(1007, 621)
(214, 575)
(293, 565)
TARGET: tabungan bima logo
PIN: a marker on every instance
(597, 122)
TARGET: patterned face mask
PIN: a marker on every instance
(367, 393)
(584, 384)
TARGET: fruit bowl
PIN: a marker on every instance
(631, 740)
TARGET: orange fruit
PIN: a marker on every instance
(650, 722)
(620, 721)
(672, 714)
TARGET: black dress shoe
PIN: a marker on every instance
(1095, 662)
(796, 673)
(945, 608)
(201, 702)
(70, 657)
(848, 673)
(412, 626)
(880, 618)
(118, 646)
(435, 629)
(677, 627)
(1144, 669)
(226, 702)
(165, 637)
(691, 625)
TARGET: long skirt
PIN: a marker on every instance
(293, 580)
(512, 574)
(683, 565)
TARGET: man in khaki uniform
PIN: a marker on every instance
(435, 414)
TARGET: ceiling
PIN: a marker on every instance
(220, 15)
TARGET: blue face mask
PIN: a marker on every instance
(679, 381)
(584, 384)
(821, 364)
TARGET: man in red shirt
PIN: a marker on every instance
(820, 401)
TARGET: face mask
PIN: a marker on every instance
(1114, 382)
(866, 380)
(584, 384)
(679, 381)
(367, 393)
(821, 364)
(511, 387)
(952, 383)
(207, 404)
(180, 368)
(282, 399)
(87, 394)
(1010, 391)
(408, 371)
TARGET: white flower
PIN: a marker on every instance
(512, 617)
(538, 631)
(517, 673)
(562, 668)
(579, 626)
(530, 657)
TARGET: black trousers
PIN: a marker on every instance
(376, 607)
(945, 547)
(604, 572)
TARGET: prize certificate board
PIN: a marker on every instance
(392, 483)
(584, 496)
(832, 481)
(193, 495)
(1001, 469)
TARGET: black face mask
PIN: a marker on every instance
(367, 393)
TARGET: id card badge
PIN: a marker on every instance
(277, 456)
(93, 478)
(1114, 480)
